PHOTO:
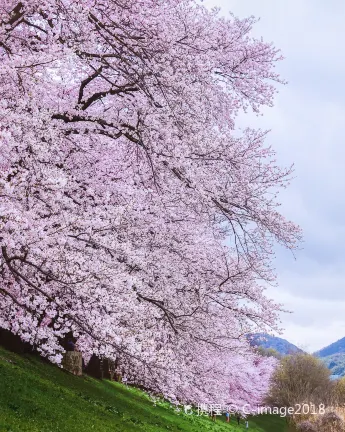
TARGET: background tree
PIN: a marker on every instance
(268, 352)
(339, 392)
(300, 379)
(132, 212)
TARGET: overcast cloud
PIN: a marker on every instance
(308, 123)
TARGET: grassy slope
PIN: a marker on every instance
(36, 396)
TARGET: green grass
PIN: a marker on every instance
(39, 397)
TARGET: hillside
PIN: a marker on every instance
(334, 348)
(38, 397)
(333, 356)
(282, 346)
(336, 364)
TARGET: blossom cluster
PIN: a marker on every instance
(131, 213)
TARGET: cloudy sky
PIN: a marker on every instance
(308, 123)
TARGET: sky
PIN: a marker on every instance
(307, 127)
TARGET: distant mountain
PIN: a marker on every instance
(335, 363)
(334, 357)
(335, 348)
(266, 341)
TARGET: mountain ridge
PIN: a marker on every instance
(267, 342)
(333, 355)
(336, 347)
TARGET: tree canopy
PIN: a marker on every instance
(133, 213)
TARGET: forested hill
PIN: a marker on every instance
(282, 346)
(335, 348)
(333, 356)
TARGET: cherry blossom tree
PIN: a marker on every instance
(133, 212)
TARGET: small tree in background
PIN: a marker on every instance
(268, 352)
(300, 379)
(339, 392)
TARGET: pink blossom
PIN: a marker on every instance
(131, 212)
